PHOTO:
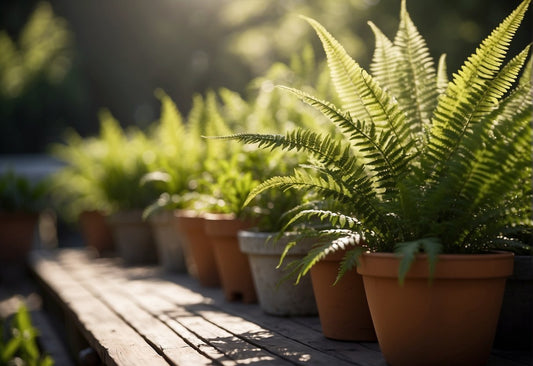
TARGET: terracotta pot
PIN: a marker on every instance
(96, 232)
(342, 308)
(234, 269)
(168, 243)
(275, 297)
(17, 232)
(198, 248)
(133, 238)
(448, 321)
(516, 317)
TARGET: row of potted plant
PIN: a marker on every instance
(419, 187)
(425, 187)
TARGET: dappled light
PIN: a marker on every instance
(266, 182)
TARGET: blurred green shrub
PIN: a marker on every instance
(40, 93)
(19, 194)
(18, 342)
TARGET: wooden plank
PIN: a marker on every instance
(160, 336)
(193, 325)
(293, 350)
(281, 336)
(229, 347)
(116, 343)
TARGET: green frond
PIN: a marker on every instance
(329, 152)
(196, 117)
(458, 105)
(416, 89)
(384, 153)
(319, 252)
(302, 180)
(334, 219)
(349, 261)
(408, 250)
(519, 99)
(384, 61)
(500, 85)
(442, 75)
(361, 95)
(345, 73)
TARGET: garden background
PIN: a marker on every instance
(62, 61)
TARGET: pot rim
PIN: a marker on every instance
(449, 266)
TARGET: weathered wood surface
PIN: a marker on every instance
(144, 316)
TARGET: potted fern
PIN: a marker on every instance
(424, 172)
(124, 160)
(175, 166)
(76, 194)
(21, 202)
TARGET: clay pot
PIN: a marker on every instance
(200, 257)
(17, 232)
(96, 232)
(133, 238)
(234, 269)
(168, 243)
(277, 297)
(342, 308)
(448, 321)
(516, 317)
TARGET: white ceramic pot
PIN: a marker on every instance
(275, 297)
(168, 243)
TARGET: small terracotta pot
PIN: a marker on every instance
(233, 265)
(342, 308)
(168, 243)
(200, 257)
(133, 238)
(277, 298)
(448, 321)
(96, 232)
(17, 232)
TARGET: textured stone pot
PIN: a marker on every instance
(343, 307)
(277, 297)
(168, 243)
(233, 265)
(17, 232)
(200, 257)
(133, 238)
(515, 326)
(448, 321)
(96, 233)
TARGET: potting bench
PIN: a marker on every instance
(144, 316)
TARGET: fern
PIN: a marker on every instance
(416, 163)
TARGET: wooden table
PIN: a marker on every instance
(144, 316)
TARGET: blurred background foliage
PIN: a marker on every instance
(61, 61)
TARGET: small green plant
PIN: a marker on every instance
(417, 163)
(103, 172)
(210, 176)
(18, 342)
(19, 194)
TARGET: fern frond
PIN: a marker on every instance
(458, 105)
(320, 146)
(417, 89)
(302, 180)
(345, 73)
(442, 75)
(500, 85)
(384, 153)
(350, 259)
(361, 95)
(384, 60)
(408, 250)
